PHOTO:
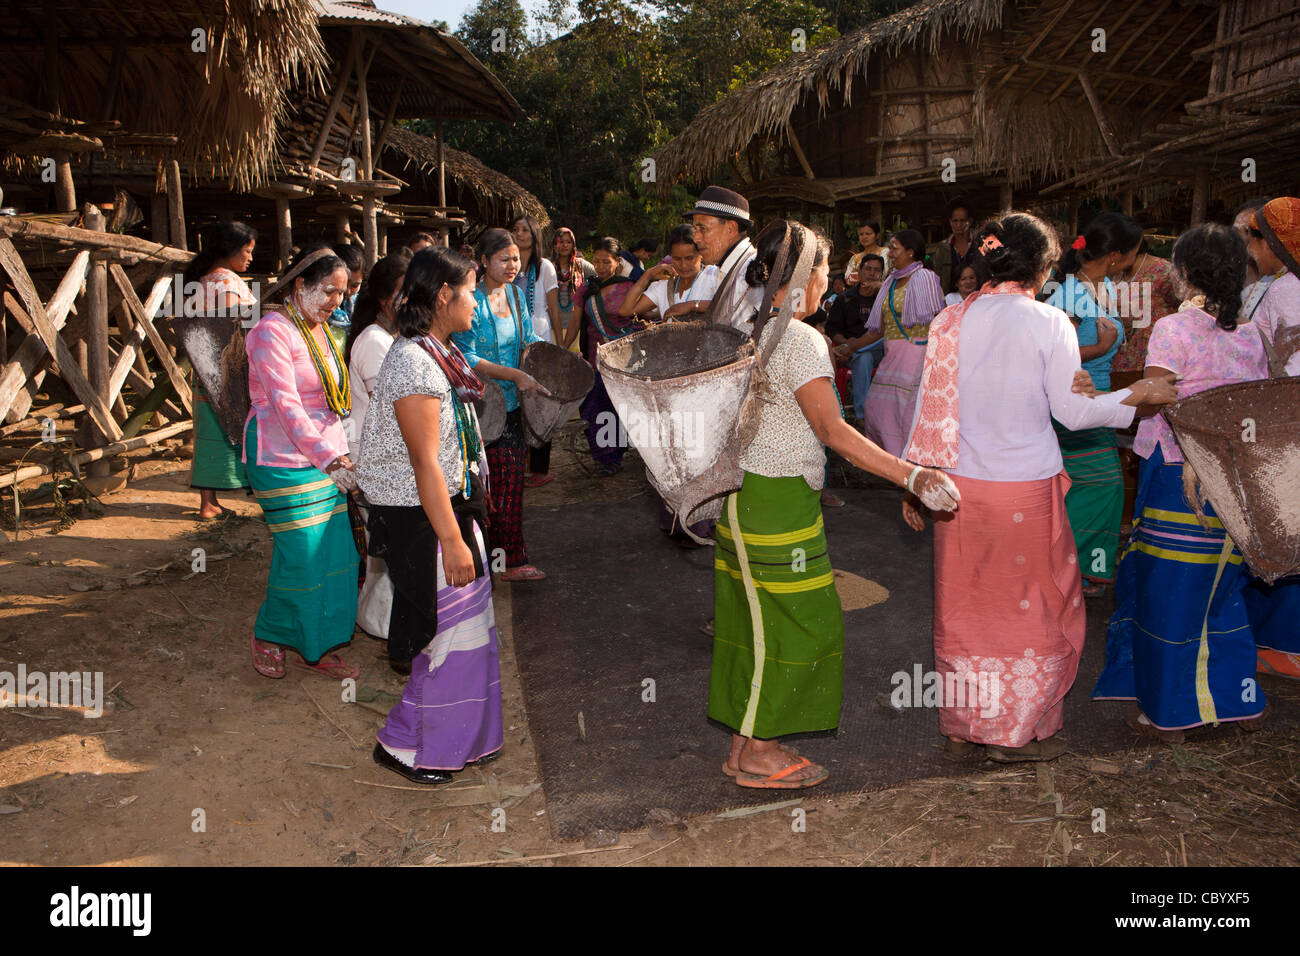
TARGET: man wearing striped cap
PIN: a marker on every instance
(721, 221)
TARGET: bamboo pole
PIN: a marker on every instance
(369, 224)
(65, 192)
(99, 454)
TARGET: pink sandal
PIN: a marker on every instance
(331, 665)
(267, 661)
(525, 572)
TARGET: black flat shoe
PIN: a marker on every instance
(482, 760)
(413, 774)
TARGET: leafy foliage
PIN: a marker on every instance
(603, 83)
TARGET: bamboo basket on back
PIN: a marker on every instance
(1243, 443)
(687, 393)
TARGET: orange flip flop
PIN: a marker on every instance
(780, 781)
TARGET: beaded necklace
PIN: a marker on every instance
(338, 394)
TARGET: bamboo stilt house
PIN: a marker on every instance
(996, 101)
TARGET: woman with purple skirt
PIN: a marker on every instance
(422, 469)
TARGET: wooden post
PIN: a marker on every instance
(158, 229)
(878, 214)
(65, 193)
(370, 230)
(1200, 194)
(443, 232)
(1074, 219)
(97, 331)
(1127, 202)
(1004, 199)
(341, 227)
(176, 205)
(283, 233)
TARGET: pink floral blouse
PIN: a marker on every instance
(295, 426)
(1192, 344)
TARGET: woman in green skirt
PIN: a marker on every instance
(297, 459)
(227, 251)
(778, 647)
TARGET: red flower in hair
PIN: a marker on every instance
(1079, 243)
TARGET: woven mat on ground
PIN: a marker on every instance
(623, 606)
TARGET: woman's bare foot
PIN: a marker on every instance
(209, 506)
(766, 757)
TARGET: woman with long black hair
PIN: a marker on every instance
(494, 346)
(422, 467)
(373, 329)
(227, 250)
(540, 287)
(1180, 642)
(1095, 502)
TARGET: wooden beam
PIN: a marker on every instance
(340, 85)
(99, 413)
(12, 227)
(26, 360)
(798, 152)
(131, 342)
(132, 302)
(108, 451)
(388, 121)
(1107, 134)
(363, 101)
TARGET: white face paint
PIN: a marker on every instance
(318, 301)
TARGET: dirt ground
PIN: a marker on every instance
(203, 761)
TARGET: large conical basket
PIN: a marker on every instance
(679, 390)
(1243, 442)
(206, 339)
(566, 375)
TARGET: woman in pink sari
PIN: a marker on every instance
(1008, 602)
(901, 315)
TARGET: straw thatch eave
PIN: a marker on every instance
(764, 106)
(497, 198)
(129, 74)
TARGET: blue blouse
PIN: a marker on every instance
(1074, 298)
(495, 339)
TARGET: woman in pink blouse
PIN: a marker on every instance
(1180, 642)
(297, 459)
(1008, 600)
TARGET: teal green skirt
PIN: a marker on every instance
(311, 592)
(216, 465)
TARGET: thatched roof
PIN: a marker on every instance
(128, 74)
(1012, 88)
(764, 106)
(489, 197)
(430, 72)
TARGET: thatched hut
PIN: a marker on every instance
(991, 100)
(202, 82)
(487, 197)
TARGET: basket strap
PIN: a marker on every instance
(798, 282)
(717, 311)
(1276, 367)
